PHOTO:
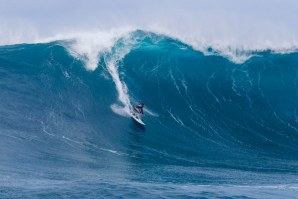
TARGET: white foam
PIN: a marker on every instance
(112, 63)
(237, 52)
(119, 110)
(232, 28)
(176, 118)
(87, 46)
(148, 111)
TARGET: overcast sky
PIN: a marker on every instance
(202, 20)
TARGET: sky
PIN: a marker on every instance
(245, 24)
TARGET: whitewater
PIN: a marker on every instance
(219, 81)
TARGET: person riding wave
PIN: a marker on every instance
(139, 108)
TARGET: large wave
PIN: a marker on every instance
(209, 120)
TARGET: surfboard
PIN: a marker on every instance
(137, 119)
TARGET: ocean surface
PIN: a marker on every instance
(215, 127)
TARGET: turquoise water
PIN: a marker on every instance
(215, 128)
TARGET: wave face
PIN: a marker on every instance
(215, 128)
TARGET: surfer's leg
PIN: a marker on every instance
(137, 110)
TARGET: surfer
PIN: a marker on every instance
(137, 113)
(139, 108)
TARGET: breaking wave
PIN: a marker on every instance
(212, 121)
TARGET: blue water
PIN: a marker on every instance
(214, 128)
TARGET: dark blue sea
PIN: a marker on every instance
(215, 128)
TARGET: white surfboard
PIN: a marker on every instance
(137, 119)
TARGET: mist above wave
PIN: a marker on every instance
(231, 28)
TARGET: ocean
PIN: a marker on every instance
(216, 126)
